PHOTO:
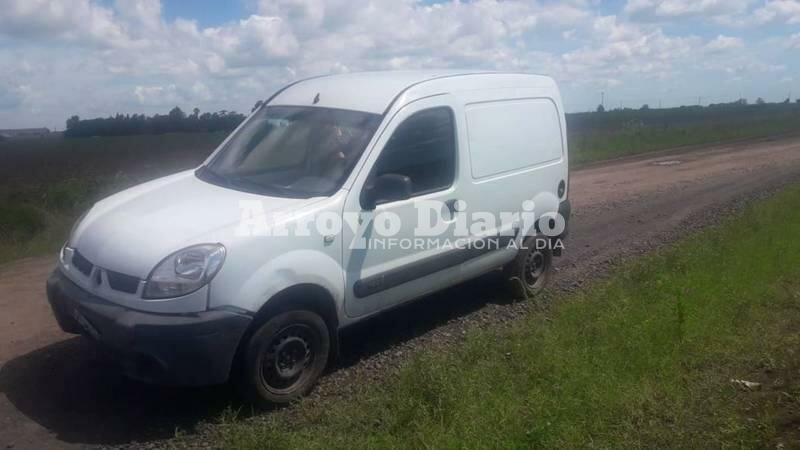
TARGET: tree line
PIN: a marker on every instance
(740, 102)
(722, 114)
(178, 121)
(175, 121)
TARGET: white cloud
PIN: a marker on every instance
(794, 41)
(143, 13)
(72, 20)
(157, 95)
(96, 57)
(676, 9)
(254, 41)
(779, 10)
(739, 13)
(617, 50)
(200, 91)
(11, 96)
(723, 43)
(363, 34)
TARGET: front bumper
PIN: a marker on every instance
(178, 349)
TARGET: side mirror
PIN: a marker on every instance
(386, 188)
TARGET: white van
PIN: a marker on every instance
(340, 197)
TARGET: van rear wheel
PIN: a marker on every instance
(285, 357)
(531, 270)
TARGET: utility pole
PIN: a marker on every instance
(603, 99)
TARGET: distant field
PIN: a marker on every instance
(45, 183)
(613, 134)
(32, 161)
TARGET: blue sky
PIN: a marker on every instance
(100, 57)
(207, 13)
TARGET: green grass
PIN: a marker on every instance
(36, 219)
(642, 360)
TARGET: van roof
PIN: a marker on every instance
(375, 92)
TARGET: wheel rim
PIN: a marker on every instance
(286, 360)
(535, 268)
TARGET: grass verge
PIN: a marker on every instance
(35, 220)
(645, 359)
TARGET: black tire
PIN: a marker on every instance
(285, 357)
(530, 271)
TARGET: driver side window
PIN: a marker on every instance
(422, 148)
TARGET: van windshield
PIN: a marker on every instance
(292, 151)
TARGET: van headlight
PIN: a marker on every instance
(184, 271)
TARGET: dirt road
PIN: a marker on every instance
(56, 391)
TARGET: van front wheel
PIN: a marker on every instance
(531, 269)
(285, 357)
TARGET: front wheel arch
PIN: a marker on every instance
(309, 297)
(515, 272)
(284, 358)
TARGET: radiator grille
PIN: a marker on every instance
(117, 281)
(81, 263)
(121, 282)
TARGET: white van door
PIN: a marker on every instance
(418, 154)
(517, 159)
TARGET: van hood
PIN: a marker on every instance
(132, 231)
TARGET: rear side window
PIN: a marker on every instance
(510, 135)
(422, 148)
